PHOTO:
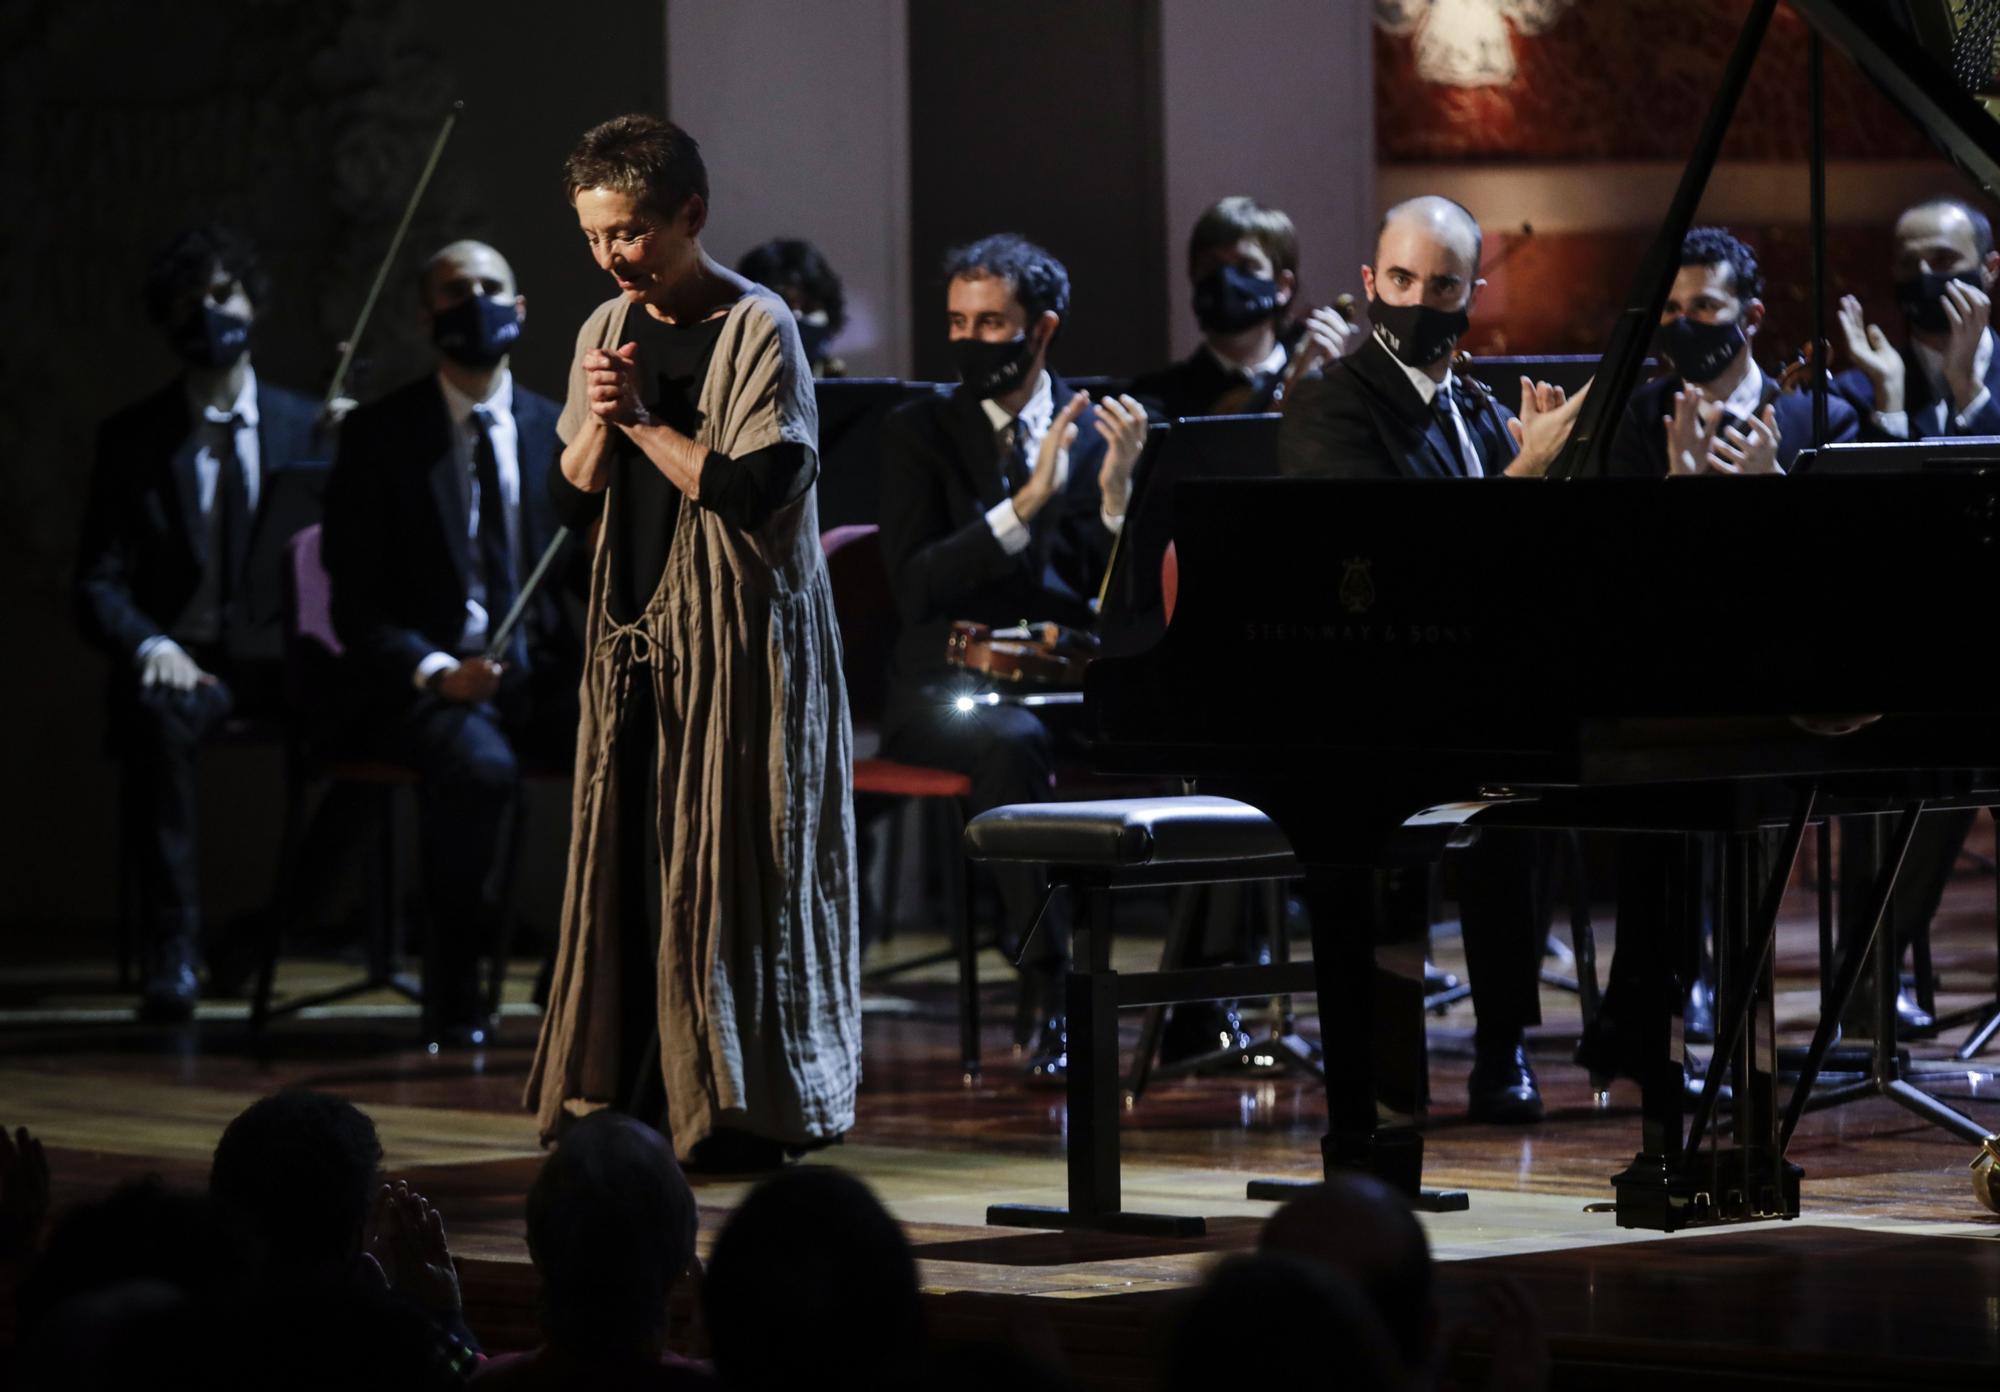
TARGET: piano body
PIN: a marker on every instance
(1382, 665)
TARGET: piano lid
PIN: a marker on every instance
(1936, 59)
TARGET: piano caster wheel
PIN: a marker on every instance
(1985, 1165)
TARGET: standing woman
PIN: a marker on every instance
(708, 974)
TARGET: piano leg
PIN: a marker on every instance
(1371, 1027)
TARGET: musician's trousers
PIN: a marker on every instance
(1920, 885)
(159, 737)
(1010, 756)
(1503, 913)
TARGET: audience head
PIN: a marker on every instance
(1298, 1323)
(303, 1170)
(796, 270)
(611, 1227)
(1938, 241)
(122, 1282)
(1361, 1228)
(640, 191)
(813, 1254)
(203, 291)
(471, 304)
(1424, 280)
(1712, 310)
(1243, 259)
(1005, 301)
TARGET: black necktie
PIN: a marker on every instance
(496, 557)
(1014, 469)
(1448, 426)
(232, 503)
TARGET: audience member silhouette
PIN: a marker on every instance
(811, 1274)
(611, 1228)
(1296, 1321)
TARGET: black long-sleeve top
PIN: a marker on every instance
(744, 492)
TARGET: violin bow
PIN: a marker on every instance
(389, 258)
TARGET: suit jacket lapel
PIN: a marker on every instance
(978, 448)
(449, 490)
(1392, 387)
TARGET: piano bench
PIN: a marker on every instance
(1091, 849)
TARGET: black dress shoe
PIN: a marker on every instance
(1912, 1020)
(1199, 1029)
(1437, 980)
(1048, 1060)
(1698, 1015)
(1503, 1088)
(172, 987)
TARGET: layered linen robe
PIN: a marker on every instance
(759, 998)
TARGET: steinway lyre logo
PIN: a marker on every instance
(1357, 585)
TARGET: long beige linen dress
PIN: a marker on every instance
(759, 962)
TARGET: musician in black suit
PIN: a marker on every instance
(437, 511)
(1718, 412)
(195, 491)
(1000, 502)
(1243, 267)
(1943, 381)
(1393, 408)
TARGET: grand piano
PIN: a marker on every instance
(1386, 666)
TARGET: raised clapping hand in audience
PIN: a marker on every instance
(1122, 423)
(409, 1246)
(24, 1193)
(1547, 415)
(1690, 432)
(1328, 336)
(613, 382)
(1041, 485)
(1873, 354)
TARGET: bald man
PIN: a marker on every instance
(1393, 408)
(436, 512)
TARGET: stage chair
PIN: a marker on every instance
(311, 653)
(866, 613)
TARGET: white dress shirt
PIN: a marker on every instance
(1274, 362)
(1931, 363)
(1427, 388)
(499, 404)
(213, 436)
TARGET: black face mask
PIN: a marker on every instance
(992, 369)
(1230, 299)
(211, 337)
(1921, 298)
(477, 332)
(1698, 352)
(1416, 334)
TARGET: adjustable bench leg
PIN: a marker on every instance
(1090, 1001)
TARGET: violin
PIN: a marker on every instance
(1044, 654)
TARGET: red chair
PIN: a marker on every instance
(867, 615)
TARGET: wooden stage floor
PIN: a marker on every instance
(1891, 1278)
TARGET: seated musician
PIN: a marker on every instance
(178, 576)
(436, 513)
(1393, 408)
(1945, 378)
(1718, 411)
(999, 504)
(798, 272)
(1243, 265)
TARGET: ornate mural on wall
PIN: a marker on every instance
(1608, 79)
(302, 122)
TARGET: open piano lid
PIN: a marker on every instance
(1936, 59)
